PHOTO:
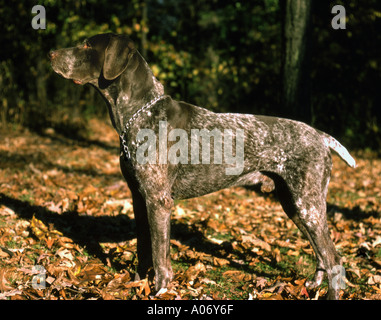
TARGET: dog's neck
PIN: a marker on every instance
(122, 97)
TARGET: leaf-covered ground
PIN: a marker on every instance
(67, 229)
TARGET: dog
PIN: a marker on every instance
(295, 157)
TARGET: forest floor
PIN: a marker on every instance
(67, 229)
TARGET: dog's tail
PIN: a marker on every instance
(336, 146)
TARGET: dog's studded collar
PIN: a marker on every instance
(148, 105)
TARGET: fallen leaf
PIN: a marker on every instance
(236, 276)
(193, 271)
(3, 281)
(261, 282)
(374, 279)
(270, 296)
(255, 242)
(220, 262)
(65, 254)
(5, 253)
(11, 293)
(376, 242)
(38, 228)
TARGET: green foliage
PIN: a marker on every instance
(223, 55)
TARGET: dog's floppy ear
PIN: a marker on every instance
(119, 50)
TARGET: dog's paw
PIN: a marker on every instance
(162, 278)
(317, 280)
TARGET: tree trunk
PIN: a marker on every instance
(41, 84)
(144, 28)
(296, 20)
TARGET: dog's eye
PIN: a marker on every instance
(86, 45)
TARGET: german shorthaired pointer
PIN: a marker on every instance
(295, 156)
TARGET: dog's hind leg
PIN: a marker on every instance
(311, 219)
(304, 201)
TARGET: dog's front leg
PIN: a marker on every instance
(159, 214)
(144, 248)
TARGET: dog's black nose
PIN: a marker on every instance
(52, 54)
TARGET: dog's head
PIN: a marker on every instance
(104, 55)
